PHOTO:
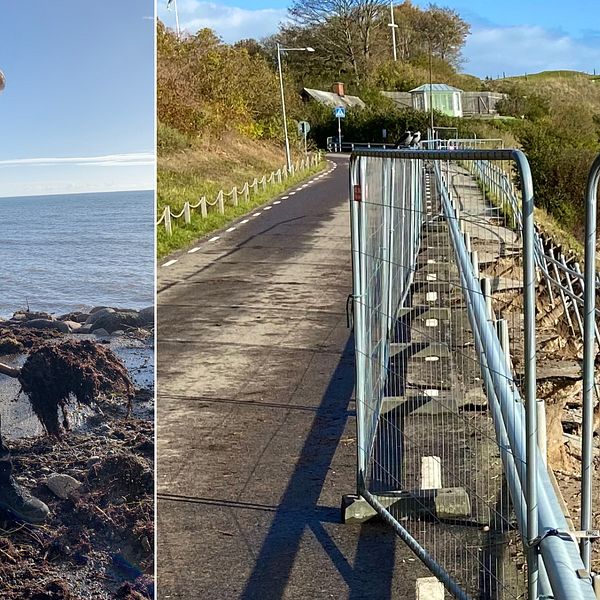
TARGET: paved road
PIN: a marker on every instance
(256, 434)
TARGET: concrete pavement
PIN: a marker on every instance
(256, 429)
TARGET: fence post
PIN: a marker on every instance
(589, 315)
(234, 195)
(221, 202)
(187, 216)
(246, 191)
(168, 225)
(264, 183)
(203, 208)
(279, 176)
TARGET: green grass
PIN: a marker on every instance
(183, 187)
(553, 74)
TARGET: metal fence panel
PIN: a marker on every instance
(447, 430)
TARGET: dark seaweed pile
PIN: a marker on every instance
(82, 369)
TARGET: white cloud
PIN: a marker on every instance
(135, 159)
(526, 49)
(232, 23)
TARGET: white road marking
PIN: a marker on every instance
(431, 473)
(292, 193)
(257, 214)
(193, 250)
(277, 202)
(284, 197)
(230, 230)
(214, 239)
(267, 208)
(429, 588)
(170, 262)
(244, 221)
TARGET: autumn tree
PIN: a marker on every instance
(343, 30)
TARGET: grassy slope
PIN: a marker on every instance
(185, 176)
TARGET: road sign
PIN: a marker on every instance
(303, 127)
(339, 112)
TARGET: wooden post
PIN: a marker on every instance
(221, 202)
(203, 209)
(187, 216)
(234, 196)
(279, 176)
(246, 192)
(168, 225)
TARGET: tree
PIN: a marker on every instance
(442, 28)
(342, 28)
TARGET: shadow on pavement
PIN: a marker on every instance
(371, 574)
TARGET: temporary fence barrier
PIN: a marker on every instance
(448, 446)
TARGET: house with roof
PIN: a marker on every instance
(337, 97)
(448, 100)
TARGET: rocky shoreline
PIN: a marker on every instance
(97, 478)
(100, 320)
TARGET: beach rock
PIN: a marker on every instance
(101, 332)
(27, 315)
(98, 312)
(76, 316)
(97, 308)
(118, 332)
(147, 315)
(121, 319)
(47, 324)
(84, 329)
(62, 486)
(73, 325)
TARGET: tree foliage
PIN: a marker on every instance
(206, 86)
(353, 42)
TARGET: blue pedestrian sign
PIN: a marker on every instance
(339, 112)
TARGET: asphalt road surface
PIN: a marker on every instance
(256, 427)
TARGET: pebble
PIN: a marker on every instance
(62, 485)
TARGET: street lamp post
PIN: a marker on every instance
(288, 157)
(393, 25)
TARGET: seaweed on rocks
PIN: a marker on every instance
(83, 369)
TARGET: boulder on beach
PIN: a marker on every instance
(47, 324)
(117, 319)
(26, 315)
(97, 313)
(76, 316)
(147, 315)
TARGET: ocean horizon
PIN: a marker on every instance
(64, 252)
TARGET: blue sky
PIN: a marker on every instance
(512, 36)
(77, 113)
